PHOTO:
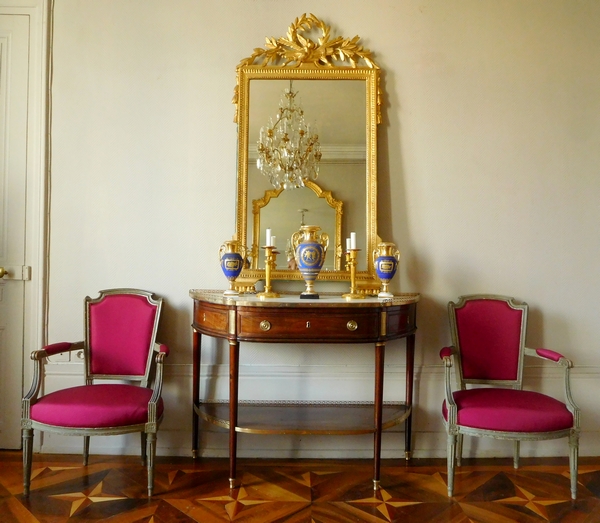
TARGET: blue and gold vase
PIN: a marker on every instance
(310, 249)
(386, 258)
(232, 255)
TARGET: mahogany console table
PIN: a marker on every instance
(330, 319)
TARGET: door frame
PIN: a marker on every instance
(39, 13)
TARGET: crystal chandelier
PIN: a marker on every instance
(288, 152)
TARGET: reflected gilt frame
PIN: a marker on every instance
(336, 205)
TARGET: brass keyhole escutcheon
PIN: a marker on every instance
(308, 324)
(265, 325)
(352, 325)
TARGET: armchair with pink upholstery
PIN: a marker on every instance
(488, 336)
(120, 345)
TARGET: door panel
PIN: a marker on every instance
(14, 71)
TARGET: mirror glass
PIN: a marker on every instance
(335, 110)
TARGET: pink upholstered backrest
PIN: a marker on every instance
(121, 333)
(489, 339)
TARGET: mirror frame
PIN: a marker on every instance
(297, 57)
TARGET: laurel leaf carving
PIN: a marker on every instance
(297, 48)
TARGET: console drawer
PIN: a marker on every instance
(308, 325)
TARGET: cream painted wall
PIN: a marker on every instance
(488, 182)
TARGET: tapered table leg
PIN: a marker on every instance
(234, 367)
(379, 366)
(196, 348)
(410, 364)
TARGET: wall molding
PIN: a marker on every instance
(315, 382)
(332, 153)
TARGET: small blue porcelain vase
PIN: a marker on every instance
(310, 249)
(386, 258)
(232, 255)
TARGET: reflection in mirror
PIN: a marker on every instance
(285, 211)
(337, 108)
(289, 151)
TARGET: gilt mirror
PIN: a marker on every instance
(333, 84)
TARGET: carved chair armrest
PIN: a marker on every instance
(39, 356)
(447, 352)
(550, 355)
(56, 348)
(559, 359)
(161, 348)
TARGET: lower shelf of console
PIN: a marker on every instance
(258, 417)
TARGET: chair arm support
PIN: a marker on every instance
(447, 355)
(559, 359)
(34, 390)
(162, 353)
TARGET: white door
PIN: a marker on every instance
(14, 72)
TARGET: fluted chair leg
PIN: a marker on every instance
(451, 463)
(573, 459)
(459, 449)
(143, 443)
(151, 455)
(86, 450)
(27, 458)
(516, 453)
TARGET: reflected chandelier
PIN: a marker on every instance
(288, 153)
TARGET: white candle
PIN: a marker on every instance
(353, 240)
(273, 238)
(347, 244)
(268, 241)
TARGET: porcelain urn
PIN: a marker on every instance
(385, 259)
(232, 255)
(310, 248)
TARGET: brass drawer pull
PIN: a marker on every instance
(352, 325)
(265, 325)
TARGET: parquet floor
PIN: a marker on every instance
(113, 489)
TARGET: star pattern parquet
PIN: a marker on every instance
(113, 489)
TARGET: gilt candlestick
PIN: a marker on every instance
(351, 261)
(270, 257)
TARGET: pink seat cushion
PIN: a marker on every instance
(510, 410)
(95, 406)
